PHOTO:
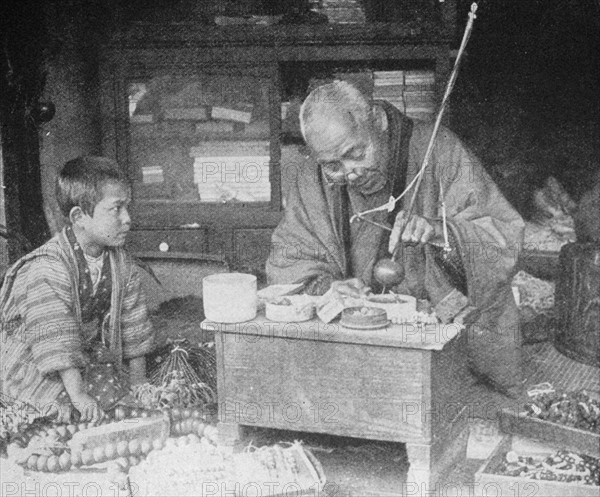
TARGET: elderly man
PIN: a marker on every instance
(364, 152)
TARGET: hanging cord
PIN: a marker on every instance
(447, 248)
(416, 182)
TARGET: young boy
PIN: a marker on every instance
(73, 309)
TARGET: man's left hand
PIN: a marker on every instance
(418, 230)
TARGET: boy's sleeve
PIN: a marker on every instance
(50, 326)
(138, 335)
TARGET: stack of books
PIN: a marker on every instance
(419, 94)
(232, 171)
(343, 11)
(152, 174)
(411, 92)
(389, 85)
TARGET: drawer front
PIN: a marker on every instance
(168, 241)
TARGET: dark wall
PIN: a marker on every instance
(50, 60)
(24, 40)
(528, 95)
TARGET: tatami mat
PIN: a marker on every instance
(545, 363)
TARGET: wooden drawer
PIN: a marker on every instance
(195, 240)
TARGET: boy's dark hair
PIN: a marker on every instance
(80, 182)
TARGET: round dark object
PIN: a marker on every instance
(43, 112)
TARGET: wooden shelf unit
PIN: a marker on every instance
(149, 52)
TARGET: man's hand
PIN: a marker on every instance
(353, 287)
(418, 230)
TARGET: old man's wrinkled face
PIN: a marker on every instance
(349, 153)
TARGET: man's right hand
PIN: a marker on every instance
(353, 287)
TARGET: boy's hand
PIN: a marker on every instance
(88, 408)
(60, 413)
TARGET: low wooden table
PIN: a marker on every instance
(401, 383)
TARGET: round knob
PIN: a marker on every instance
(388, 272)
(163, 247)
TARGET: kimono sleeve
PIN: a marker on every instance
(138, 334)
(50, 326)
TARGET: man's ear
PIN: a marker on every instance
(380, 118)
(76, 214)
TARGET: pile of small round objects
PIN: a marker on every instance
(574, 409)
(187, 465)
(188, 421)
(418, 317)
(563, 466)
(42, 446)
(365, 311)
(13, 418)
(185, 461)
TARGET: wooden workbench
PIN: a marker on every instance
(400, 383)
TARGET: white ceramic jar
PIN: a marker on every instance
(229, 297)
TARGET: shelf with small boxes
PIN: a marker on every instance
(205, 119)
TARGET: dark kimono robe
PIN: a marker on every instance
(486, 230)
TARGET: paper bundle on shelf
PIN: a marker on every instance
(419, 94)
(389, 85)
(240, 113)
(384, 78)
(232, 171)
(343, 11)
(152, 174)
(419, 77)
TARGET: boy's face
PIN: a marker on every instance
(110, 222)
